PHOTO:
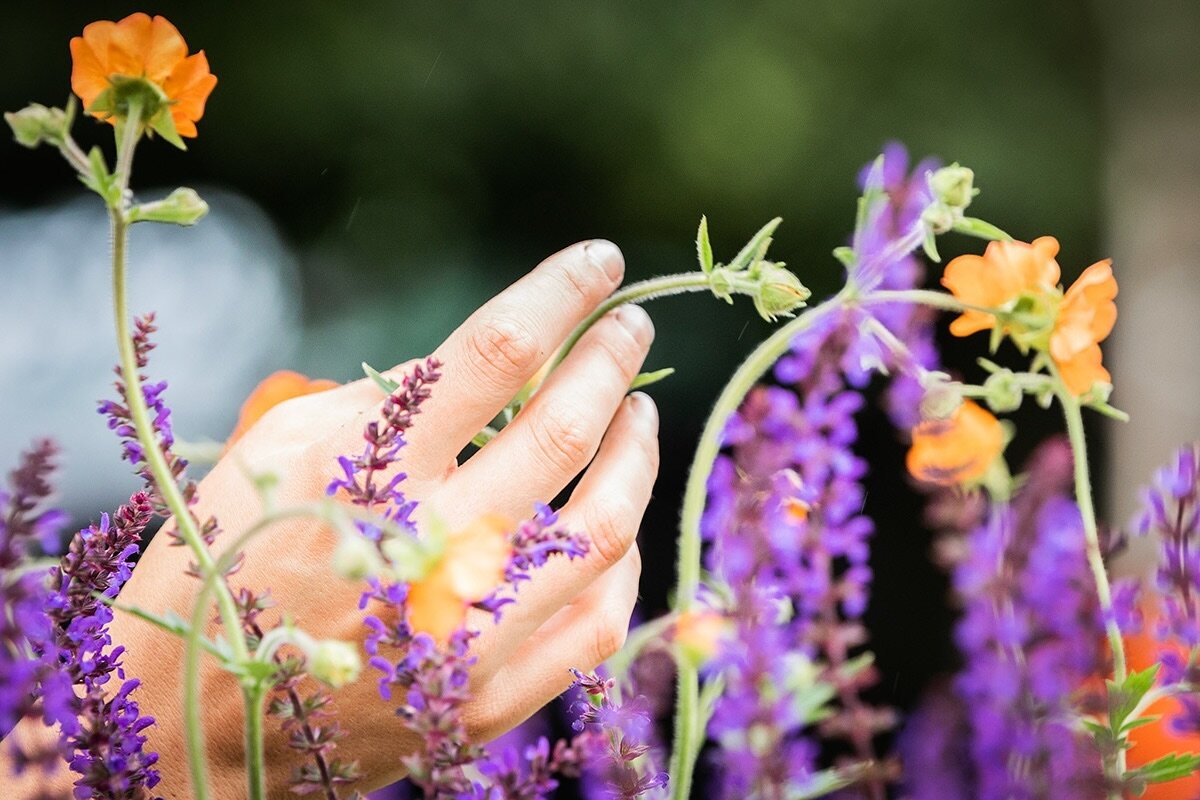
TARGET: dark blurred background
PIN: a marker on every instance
(411, 160)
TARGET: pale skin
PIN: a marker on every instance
(572, 614)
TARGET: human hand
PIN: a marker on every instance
(571, 614)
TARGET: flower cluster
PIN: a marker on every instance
(1031, 633)
(1171, 510)
(620, 732)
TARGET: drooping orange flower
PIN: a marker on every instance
(471, 567)
(274, 389)
(699, 633)
(956, 450)
(141, 47)
(1085, 318)
(1004, 272)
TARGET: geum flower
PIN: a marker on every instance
(146, 58)
(469, 570)
(960, 449)
(1021, 281)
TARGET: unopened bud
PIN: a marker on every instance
(942, 396)
(779, 291)
(334, 662)
(181, 207)
(940, 217)
(35, 124)
(954, 185)
(698, 635)
(356, 558)
(1004, 393)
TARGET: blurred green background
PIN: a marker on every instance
(418, 157)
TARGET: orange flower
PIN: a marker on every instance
(471, 567)
(274, 389)
(1085, 319)
(141, 47)
(699, 634)
(957, 450)
(1004, 272)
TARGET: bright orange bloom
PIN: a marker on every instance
(1004, 272)
(1085, 319)
(274, 389)
(957, 450)
(141, 47)
(471, 567)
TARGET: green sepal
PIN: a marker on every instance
(704, 247)
(385, 383)
(819, 784)
(163, 124)
(100, 180)
(847, 256)
(756, 247)
(973, 226)
(650, 378)
(930, 247)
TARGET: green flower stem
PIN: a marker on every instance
(155, 460)
(639, 292)
(687, 738)
(1095, 558)
(254, 700)
(639, 638)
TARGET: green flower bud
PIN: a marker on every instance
(181, 207)
(356, 558)
(779, 291)
(940, 217)
(954, 185)
(1004, 393)
(335, 663)
(35, 124)
(942, 396)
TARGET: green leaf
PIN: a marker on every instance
(820, 784)
(382, 381)
(704, 247)
(755, 246)
(1124, 697)
(649, 378)
(973, 226)
(1168, 768)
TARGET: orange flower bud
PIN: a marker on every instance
(956, 450)
(699, 634)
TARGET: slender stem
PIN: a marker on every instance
(638, 292)
(637, 641)
(687, 740)
(156, 461)
(254, 699)
(193, 719)
(1095, 558)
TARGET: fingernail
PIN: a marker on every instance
(644, 407)
(607, 257)
(636, 321)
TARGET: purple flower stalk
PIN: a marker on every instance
(1171, 510)
(614, 740)
(783, 517)
(1031, 633)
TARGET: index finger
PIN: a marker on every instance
(500, 347)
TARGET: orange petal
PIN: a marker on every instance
(128, 45)
(189, 86)
(164, 48)
(434, 608)
(476, 556)
(274, 389)
(89, 76)
(957, 450)
(1090, 299)
(1082, 370)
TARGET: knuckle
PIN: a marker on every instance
(609, 529)
(561, 436)
(609, 636)
(579, 283)
(505, 347)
